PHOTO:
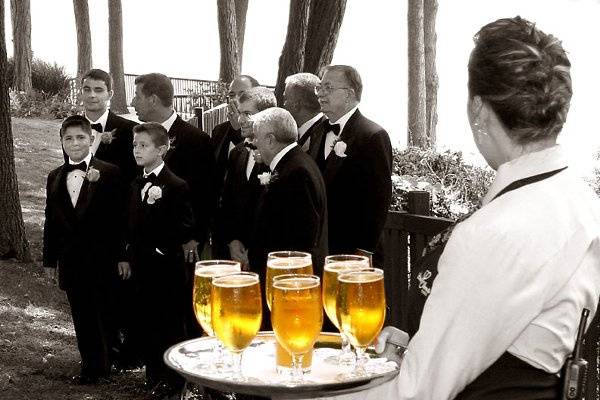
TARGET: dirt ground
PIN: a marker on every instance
(38, 353)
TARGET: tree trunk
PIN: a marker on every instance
(230, 64)
(416, 76)
(291, 60)
(431, 78)
(13, 241)
(21, 28)
(241, 8)
(84, 40)
(118, 104)
(325, 20)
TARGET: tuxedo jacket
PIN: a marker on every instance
(84, 241)
(222, 136)
(240, 197)
(156, 231)
(120, 151)
(317, 136)
(359, 186)
(292, 212)
(191, 158)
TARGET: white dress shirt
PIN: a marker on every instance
(98, 135)
(75, 179)
(280, 155)
(331, 137)
(156, 171)
(513, 277)
(251, 160)
(168, 123)
(305, 127)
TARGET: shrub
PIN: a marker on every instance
(38, 104)
(454, 186)
(47, 78)
(594, 180)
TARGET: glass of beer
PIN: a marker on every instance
(204, 273)
(297, 317)
(285, 262)
(283, 359)
(335, 265)
(361, 310)
(236, 314)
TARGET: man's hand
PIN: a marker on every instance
(233, 114)
(190, 251)
(391, 343)
(51, 274)
(239, 253)
(124, 270)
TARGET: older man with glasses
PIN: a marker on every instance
(356, 161)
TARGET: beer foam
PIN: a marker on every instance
(361, 276)
(230, 281)
(296, 283)
(345, 266)
(289, 263)
(210, 271)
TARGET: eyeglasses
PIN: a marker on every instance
(326, 89)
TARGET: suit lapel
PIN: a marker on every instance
(87, 192)
(172, 139)
(61, 194)
(348, 136)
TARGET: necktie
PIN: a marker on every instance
(151, 177)
(97, 127)
(335, 128)
(249, 145)
(72, 167)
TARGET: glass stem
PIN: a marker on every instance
(361, 361)
(237, 366)
(297, 371)
(345, 343)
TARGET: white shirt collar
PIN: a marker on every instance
(343, 120)
(101, 120)
(527, 165)
(156, 170)
(306, 126)
(168, 123)
(87, 160)
(280, 155)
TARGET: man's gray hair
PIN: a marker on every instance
(304, 85)
(261, 96)
(278, 122)
(350, 74)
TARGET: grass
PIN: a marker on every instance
(38, 351)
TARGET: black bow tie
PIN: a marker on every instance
(97, 127)
(335, 128)
(249, 145)
(72, 167)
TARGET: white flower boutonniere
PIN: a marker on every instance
(264, 178)
(92, 174)
(154, 193)
(107, 137)
(339, 148)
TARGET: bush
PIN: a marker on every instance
(38, 104)
(594, 181)
(47, 78)
(454, 186)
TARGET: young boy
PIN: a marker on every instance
(160, 222)
(84, 207)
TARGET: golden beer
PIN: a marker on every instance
(361, 305)
(283, 359)
(284, 262)
(204, 273)
(236, 309)
(297, 315)
(335, 265)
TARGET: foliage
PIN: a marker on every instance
(454, 186)
(47, 78)
(39, 104)
(208, 100)
(594, 181)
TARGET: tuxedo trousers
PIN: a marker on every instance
(161, 310)
(91, 307)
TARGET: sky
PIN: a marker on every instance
(180, 38)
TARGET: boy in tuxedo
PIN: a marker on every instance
(84, 207)
(160, 222)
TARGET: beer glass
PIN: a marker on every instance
(204, 273)
(236, 314)
(361, 309)
(335, 265)
(297, 317)
(285, 262)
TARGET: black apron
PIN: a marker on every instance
(508, 378)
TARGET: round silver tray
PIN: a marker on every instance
(258, 366)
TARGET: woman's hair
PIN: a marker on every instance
(523, 74)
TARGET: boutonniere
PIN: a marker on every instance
(171, 143)
(154, 193)
(339, 147)
(267, 178)
(107, 137)
(92, 174)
